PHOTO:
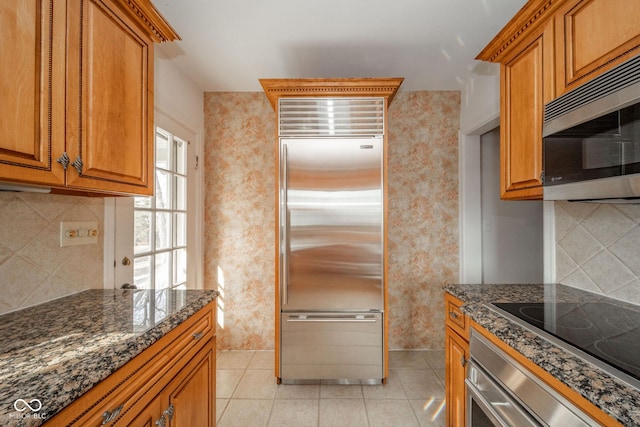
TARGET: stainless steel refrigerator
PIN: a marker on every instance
(331, 259)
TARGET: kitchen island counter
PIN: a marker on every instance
(53, 353)
(613, 396)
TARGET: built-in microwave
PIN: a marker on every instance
(591, 139)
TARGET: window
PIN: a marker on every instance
(160, 222)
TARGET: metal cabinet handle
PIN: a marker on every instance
(463, 361)
(169, 411)
(197, 336)
(78, 165)
(162, 422)
(453, 314)
(64, 160)
(109, 416)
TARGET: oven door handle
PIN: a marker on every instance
(475, 395)
(477, 382)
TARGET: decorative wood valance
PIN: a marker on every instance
(147, 16)
(533, 14)
(279, 88)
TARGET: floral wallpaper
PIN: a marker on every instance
(239, 227)
(423, 215)
(239, 216)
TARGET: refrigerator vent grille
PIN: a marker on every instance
(331, 117)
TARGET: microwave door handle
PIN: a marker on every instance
(284, 220)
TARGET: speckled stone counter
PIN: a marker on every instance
(613, 396)
(53, 353)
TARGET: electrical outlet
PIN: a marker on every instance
(75, 233)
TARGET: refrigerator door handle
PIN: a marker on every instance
(284, 275)
(338, 318)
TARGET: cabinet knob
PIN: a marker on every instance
(109, 416)
(78, 165)
(162, 422)
(198, 335)
(64, 160)
(453, 314)
(169, 411)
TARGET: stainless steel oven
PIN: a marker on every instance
(502, 392)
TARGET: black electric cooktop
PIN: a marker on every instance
(609, 333)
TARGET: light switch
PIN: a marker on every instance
(74, 233)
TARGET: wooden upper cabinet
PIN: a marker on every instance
(78, 111)
(592, 37)
(32, 86)
(526, 85)
(548, 48)
(109, 100)
(525, 49)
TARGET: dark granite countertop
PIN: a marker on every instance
(53, 353)
(615, 397)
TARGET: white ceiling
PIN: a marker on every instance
(227, 45)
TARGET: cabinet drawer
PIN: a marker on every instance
(455, 319)
(326, 346)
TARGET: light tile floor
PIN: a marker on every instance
(248, 396)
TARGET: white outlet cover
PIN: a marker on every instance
(75, 233)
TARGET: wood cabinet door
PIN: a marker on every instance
(192, 393)
(592, 37)
(457, 352)
(526, 84)
(109, 100)
(149, 416)
(32, 88)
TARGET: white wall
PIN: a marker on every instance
(511, 230)
(176, 95)
(480, 112)
(480, 108)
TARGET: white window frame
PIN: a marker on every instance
(173, 236)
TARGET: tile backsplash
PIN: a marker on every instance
(33, 266)
(598, 248)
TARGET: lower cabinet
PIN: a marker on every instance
(189, 400)
(457, 352)
(456, 355)
(170, 384)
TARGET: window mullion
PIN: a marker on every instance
(171, 179)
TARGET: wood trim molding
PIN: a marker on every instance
(279, 88)
(145, 13)
(532, 15)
